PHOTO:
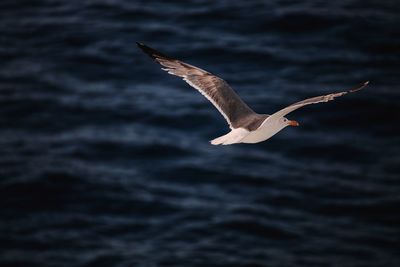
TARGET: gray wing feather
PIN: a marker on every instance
(215, 89)
(314, 100)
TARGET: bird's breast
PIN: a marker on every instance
(264, 132)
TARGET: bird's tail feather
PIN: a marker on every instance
(233, 137)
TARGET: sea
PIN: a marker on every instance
(105, 159)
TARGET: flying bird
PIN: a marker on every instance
(246, 125)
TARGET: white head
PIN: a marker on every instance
(284, 122)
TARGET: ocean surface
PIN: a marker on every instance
(105, 159)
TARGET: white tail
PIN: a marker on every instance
(233, 137)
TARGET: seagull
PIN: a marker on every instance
(246, 125)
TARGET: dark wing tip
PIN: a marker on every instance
(359, 87)
(152, 52)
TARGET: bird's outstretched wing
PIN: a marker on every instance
(215, 89)
(313, 100)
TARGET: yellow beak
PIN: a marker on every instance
(293, 123)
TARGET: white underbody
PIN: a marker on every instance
(240, 135)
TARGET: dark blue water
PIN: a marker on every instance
(105, 159)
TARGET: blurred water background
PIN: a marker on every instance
(105, 159)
